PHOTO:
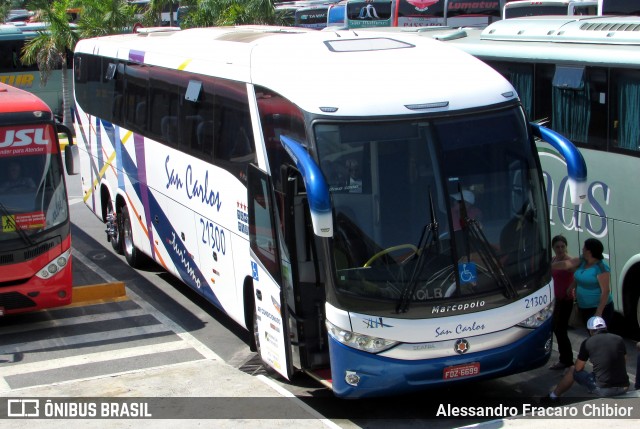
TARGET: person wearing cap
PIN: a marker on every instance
(456, 208)
(607, 353)
(591, 285)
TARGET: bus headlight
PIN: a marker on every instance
(359, 341)
(539, 318)
(54, 266)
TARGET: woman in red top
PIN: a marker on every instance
(562, 281)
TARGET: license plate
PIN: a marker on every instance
(458, 371)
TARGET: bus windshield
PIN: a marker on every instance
(620, 7)
(409, 194)
(33, 197)
(535, 10)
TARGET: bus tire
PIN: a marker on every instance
(116, 237)
(131, 253)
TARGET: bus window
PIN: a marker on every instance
(619, 7)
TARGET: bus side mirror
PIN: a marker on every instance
(71, 154)
(317, 188)
(71, 159)
(576, 167)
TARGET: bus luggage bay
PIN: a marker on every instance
(35, 241)
(382, 240)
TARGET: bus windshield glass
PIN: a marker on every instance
(620, 7)
(33, 198)
(444, 207)
(533, 10)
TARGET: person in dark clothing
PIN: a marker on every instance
(638, 367)
(562, 281)
(607, 353)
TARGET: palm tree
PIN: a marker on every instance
(231, 12)
(105, 17)
(157, 7)
(50, 49)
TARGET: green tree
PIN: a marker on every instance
(230, 12)
(5, 7)
(156, 10)
(50, 49)
(105, 17)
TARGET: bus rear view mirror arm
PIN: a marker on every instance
(576, 167)
(317, 188)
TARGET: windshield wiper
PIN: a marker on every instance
(9, 222)
(486, 252)
(429, 235)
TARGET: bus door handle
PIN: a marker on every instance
(259, 294)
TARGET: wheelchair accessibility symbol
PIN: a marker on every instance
(254, 270)
(468, 273)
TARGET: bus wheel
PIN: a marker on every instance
(131, 253)
(114, 228)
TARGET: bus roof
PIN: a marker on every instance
(577, 29)
(604, 41)
(21, 101)
(369, 74)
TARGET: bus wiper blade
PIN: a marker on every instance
(490, 259)
(488, 256)
(10, 223)
(430, 231)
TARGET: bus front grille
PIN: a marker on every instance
(15, 300)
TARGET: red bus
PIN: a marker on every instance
(35, 239)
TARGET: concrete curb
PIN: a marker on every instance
(97, 293)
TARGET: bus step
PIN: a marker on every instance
(322, 375)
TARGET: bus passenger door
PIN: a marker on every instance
(267, 268)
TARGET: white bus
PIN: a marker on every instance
(520, 8)
(381, 240)
(581, 75)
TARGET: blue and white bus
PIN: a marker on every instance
(382, 241)
(582, 76)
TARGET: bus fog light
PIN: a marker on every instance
(352, 378)
(61, 261)
(52, 268)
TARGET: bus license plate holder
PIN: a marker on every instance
(460, 371)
